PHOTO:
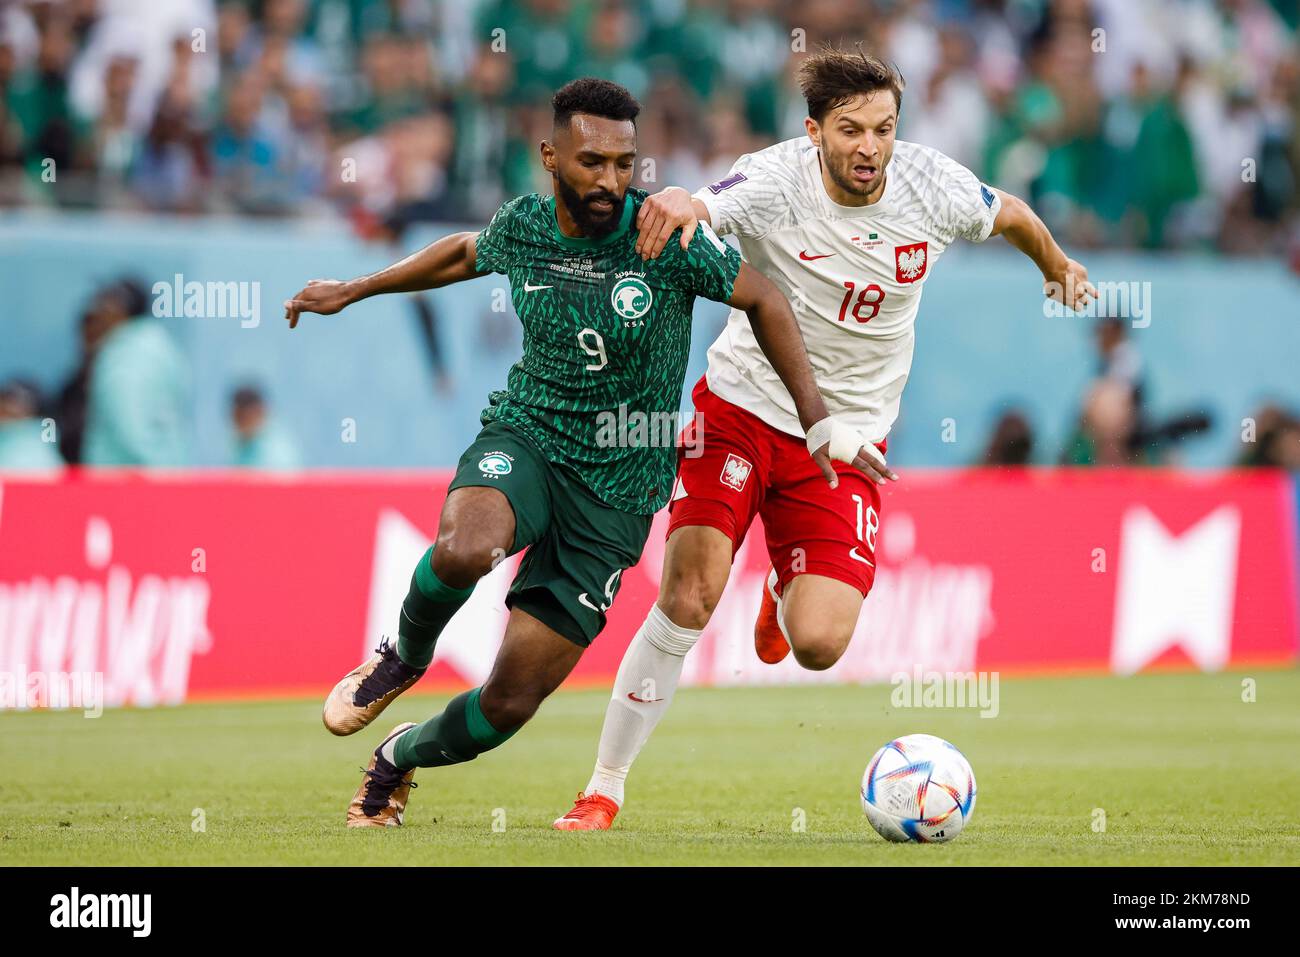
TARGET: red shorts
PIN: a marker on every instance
(731, 466)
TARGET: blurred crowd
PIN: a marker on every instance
(127, 403)
(1158, 123)
(1116, 426)
(1140, 123)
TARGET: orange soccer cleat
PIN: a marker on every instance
(590, 812)
(769, 641)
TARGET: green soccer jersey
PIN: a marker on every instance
(606, 340)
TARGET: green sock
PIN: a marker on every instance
(426, 610)
(460, 733)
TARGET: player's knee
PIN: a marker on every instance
(689, 601)
(463, 556)
(508, 708)
(817, 655)
(817, 645)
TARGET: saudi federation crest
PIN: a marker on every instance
(495, 463)
(631, 298)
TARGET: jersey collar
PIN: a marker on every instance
(583, 242)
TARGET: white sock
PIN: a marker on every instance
(389, 748)
(780, 608)
(650, 669)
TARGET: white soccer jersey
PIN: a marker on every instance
(853, 274)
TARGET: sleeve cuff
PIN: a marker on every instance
(989, 218)
(715, 210)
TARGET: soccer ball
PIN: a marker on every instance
(918, 788)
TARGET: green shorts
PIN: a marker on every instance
(578, 547)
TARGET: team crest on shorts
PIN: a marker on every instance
(496, 463)
(735, 472)
(910, 261)
(631, 297)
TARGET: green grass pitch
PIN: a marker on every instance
(1185, 771)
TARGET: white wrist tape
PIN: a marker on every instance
(845, 441)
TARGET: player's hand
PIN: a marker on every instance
(823, 459)
(868, 461)
(1070, 286)
(322, 296)
(660, 214)
(871, 463)
(845, 444)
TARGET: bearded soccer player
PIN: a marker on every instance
(849, 223)
(604, 330)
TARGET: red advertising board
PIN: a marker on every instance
(218, 584)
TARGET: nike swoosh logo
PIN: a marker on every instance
(633, 696)
(803, 254)
(853, 554)
(529, 287)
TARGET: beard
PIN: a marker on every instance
(594, 224)
(841, 174)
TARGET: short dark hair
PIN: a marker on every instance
(832, 77)
(128, 293)
(595, 97)
(247, 397)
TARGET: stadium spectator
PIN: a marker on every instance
(245, 152)
(26, 443)
(395, 86)
(37, 95)
(544, 38)
(1284, 450)
(307, 147)
(1163, 181)
(70, 407)
(1012, 441)
(1275, 442)
(491, 158)
(171, 165)
(1117, 358)
(612, 48)
(112, 143)
(138, 409)
(260, 443)
(953, 113)
(1107, 429)
(1113, 430)
(148, 34)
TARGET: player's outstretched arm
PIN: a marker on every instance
(1064, 280)
(778, 336)
(671, 208)
(450, 259)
